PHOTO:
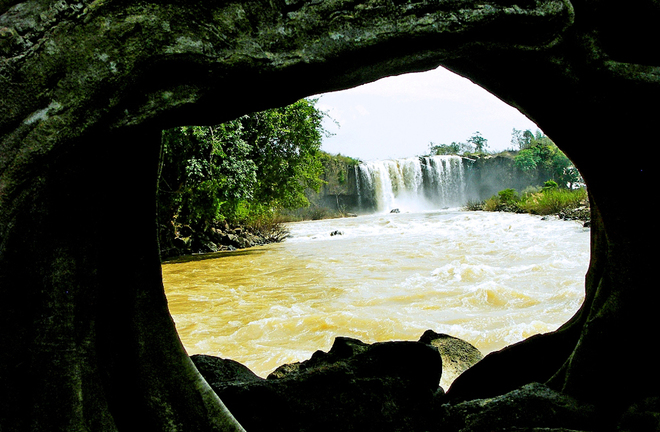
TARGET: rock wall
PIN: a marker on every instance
(339, 193)
(486, 176)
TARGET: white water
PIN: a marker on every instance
(489, 278)
(412, 184)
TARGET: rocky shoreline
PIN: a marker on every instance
(185, 240)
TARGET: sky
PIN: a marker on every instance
(397, 117)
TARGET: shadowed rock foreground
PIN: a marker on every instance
(386, 386)
(86, 87)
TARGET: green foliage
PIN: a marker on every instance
(538, 152)
(480, 143)
(475, 144)
(347, 160)
(549, 185)
(553, 201)
(548, 200)
(243, 170)
(444, 149)
(508, 196)
(285, 148)
(522, 139)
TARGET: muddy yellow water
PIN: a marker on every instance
(489, 278)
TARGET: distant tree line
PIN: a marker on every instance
(534, 151)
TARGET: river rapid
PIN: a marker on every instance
(491, 279)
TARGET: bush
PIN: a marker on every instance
(540, 201)
(508, 196)
(553, 201)
(550, 185)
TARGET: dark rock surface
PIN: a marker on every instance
(533, 407)
(386, 386)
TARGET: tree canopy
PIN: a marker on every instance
(241, 169)
(475, 144)
(538, 152)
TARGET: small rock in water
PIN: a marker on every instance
(336, 232)
(396, 210)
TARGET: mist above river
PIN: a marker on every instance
(491, 279)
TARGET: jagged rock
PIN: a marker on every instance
(533, 407)
(396, 210)
(386, 386)
(641, 416)
(218, 371)
(336, 233)
(402, 376)
(457, 355)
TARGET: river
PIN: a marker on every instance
(491, 279)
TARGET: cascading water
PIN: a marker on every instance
(413, 184)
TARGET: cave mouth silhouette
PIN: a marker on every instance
(212, 255)
(87, 91)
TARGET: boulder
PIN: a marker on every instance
(533, 407)
(386, 386)
(217, 370)
(457, 355)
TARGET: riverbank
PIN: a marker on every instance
(221, 236)
(564, 204)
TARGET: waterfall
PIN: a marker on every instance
(418, 183)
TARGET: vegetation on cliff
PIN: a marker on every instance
(531, 152)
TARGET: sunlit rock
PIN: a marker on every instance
(457, 355)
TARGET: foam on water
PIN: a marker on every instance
(489, 278)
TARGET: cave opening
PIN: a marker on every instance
(268, 317)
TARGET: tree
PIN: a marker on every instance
(480, 143)
(285, 149)
(522, 139)
(541, 154)
(245, 167)
(444, 149)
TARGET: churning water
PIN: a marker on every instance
(491, 279)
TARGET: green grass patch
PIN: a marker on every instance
(539, 201)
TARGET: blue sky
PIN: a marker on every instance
(397, 117)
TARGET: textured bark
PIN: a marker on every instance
(88, 343)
